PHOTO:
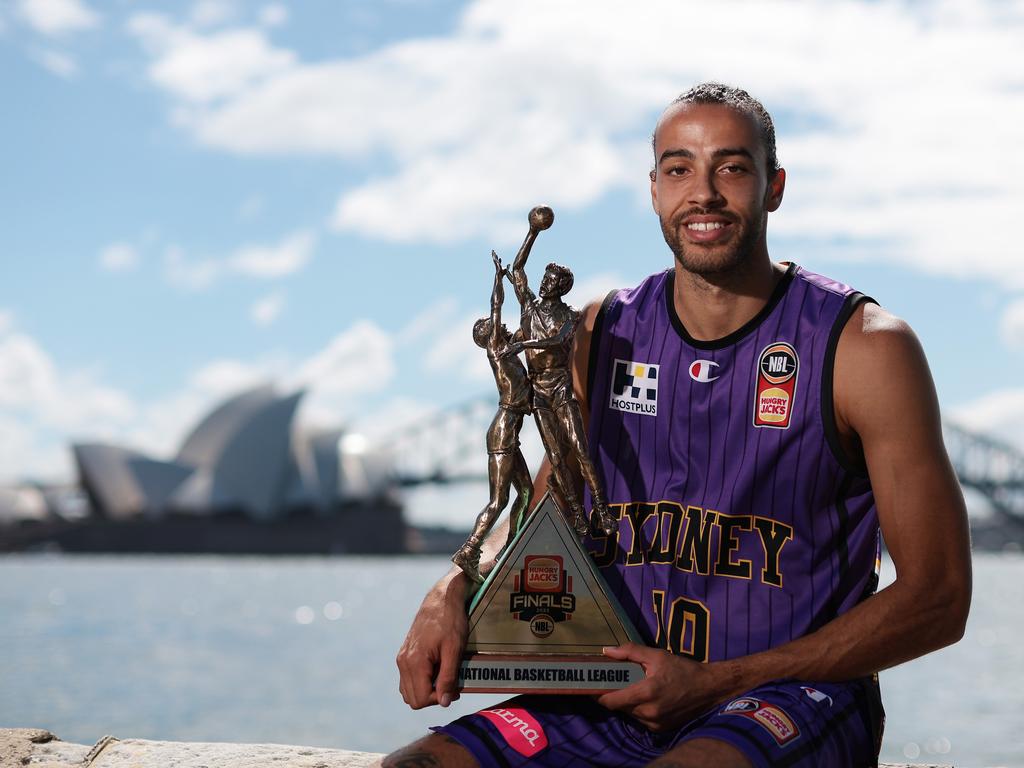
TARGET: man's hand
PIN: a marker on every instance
(434, 644)
(497, 263)
(674, 691)
(512, 349)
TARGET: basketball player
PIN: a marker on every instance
(506, 466)
(790, 418)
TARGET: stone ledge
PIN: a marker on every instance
(36, 748)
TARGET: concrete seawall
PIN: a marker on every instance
(35, 748)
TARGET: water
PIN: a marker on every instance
(301, 651)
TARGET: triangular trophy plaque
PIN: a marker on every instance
(540, 620)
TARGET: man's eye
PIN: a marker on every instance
(733, 168)
(676, 171)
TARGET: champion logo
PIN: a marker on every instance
(700, 370)
(519, 728)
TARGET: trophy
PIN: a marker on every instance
(539, 620)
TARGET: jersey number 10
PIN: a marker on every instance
(687, 626)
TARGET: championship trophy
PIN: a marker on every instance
(540, 618)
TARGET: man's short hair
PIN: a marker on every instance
(739, 99)
(482, 331)
(564, 275)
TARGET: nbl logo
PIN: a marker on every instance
(635, 387)
(775, 388)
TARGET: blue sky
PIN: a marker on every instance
(200, 196)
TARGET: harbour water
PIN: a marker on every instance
(301, 651)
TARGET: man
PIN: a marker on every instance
(546, 332)
(790, 418)
(505, 463)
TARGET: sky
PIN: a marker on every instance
(197, 197)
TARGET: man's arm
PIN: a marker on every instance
(497, 299)
(923, 520)
(551, 341)
(519, 280)
(435, 642)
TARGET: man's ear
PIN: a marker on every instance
(654, 191)
(776, 188)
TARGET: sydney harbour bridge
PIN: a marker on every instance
(447, 448)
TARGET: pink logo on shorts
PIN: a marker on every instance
(519, 728)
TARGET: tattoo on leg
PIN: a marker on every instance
(414, 759)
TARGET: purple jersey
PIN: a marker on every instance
(742, 523)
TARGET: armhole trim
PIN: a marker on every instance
(595, 344)
(853, 464)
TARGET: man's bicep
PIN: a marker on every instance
(581, 355)
(885, 395)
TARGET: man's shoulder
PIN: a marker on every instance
(874, 332)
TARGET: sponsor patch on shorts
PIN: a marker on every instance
(519, 728)
(770, 717)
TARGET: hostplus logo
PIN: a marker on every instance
(634, 387)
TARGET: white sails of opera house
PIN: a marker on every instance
(244, 458)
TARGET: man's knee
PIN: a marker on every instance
(701, 753)
(433, 751)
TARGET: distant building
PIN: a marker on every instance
(245, 458)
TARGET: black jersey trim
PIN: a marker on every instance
(747, 328)
(855, 464)
(595, 344)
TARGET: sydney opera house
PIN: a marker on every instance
(246, 479)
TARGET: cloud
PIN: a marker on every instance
(201, 68)
(119, 257)
(999, 414)
(257, 261)
(209, 13)
(273, 15)
(41, 406)
(266, 311)
(556, 103)
(434, 319)
(453, 350)
(1012, 325)
(190, 274)
(44, 407)
(288, 256)
(57, 17)
(56, 63)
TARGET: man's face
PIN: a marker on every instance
(710, 187)
(550, 284)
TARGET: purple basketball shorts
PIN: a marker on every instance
(779, 724)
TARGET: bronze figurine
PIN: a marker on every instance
(506, 466)
(547, 327)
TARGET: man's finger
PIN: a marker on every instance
(420, 674)
(631, 652)
(626, 698)
(446, 677)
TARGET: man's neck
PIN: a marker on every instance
(713, 306)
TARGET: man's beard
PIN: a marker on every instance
(708, 260)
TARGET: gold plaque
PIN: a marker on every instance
(540, 620)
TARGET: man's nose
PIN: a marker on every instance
(704, 191)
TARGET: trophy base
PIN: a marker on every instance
(499, 673)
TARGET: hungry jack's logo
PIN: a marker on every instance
(542, 594)
(775, 391)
